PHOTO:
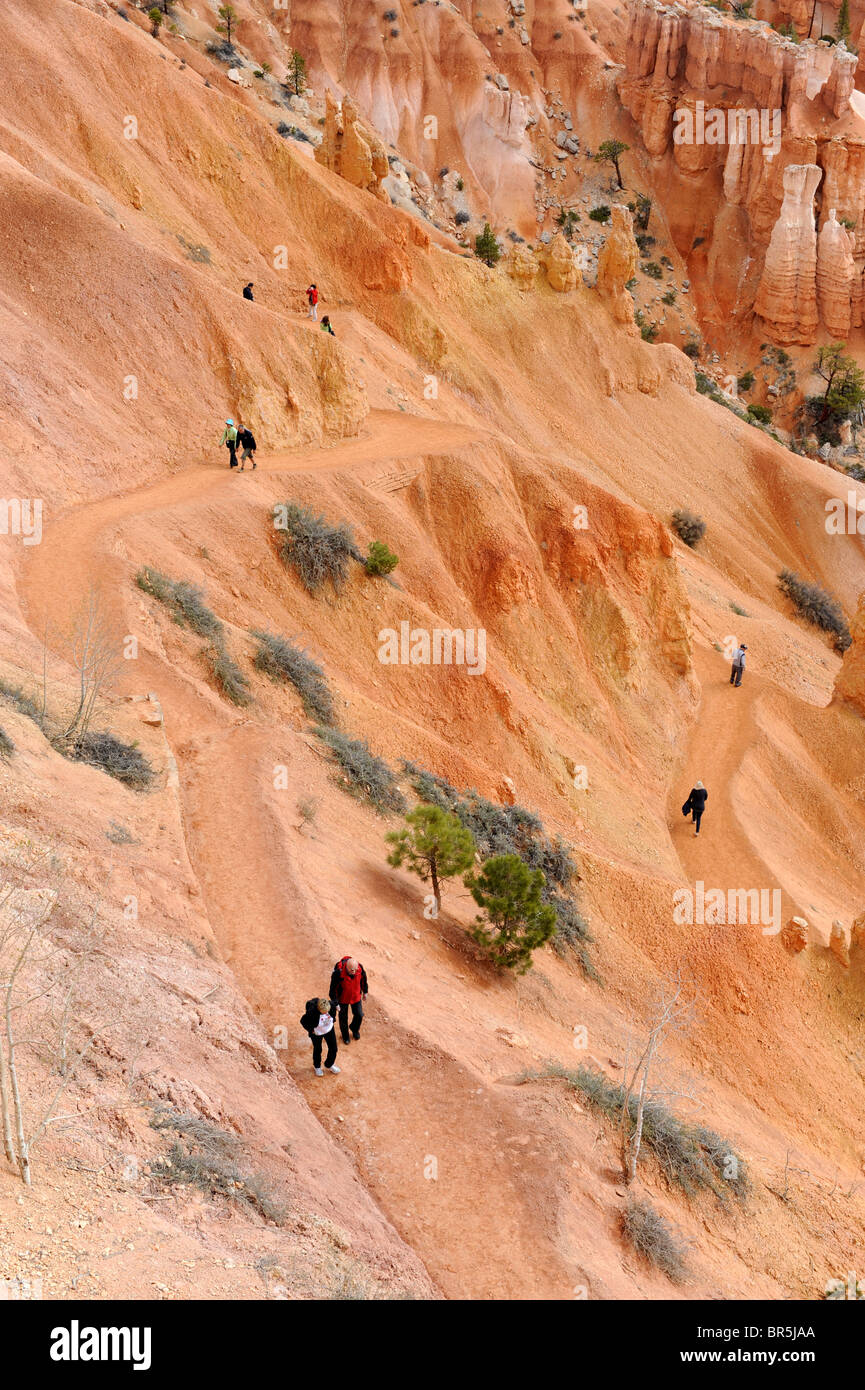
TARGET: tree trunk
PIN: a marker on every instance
(435, 886)
(8, 1146)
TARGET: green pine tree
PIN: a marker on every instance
(228, 19)
(610, 152)
(842, 23)
(487, 248)
(517, 919)
(295, 76)
(380, 559)
(434, 844)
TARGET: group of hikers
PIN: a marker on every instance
(238, 436)
(348, 989)
(696, 803)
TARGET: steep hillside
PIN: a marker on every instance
(521, 448)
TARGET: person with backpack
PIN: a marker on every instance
(318, 1021)
(246, 440)
(696, 804)
(738, 668)
(312, 296)
(247, 291)
(327, 326)
(229, 439)
(348, 989)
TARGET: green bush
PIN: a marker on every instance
(7, 747)
(124, 761)
(652, 269)
(746, 381)
(655, 1239)
(364, 775)
(380, 560)
(319, 551)
(669, 297)
(689, 528)
(816, 606)
(600, 214)
(761, 413)
(280, 660)
(691, 350)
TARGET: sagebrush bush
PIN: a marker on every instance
(7, 747)
(315, 548)
(15, 696)
(184, 601)
(691, 350)
(227, 675)
(121, 760)
(462, 217)
(689, 528)
(280, 660)
(364, 774)
(692, 1157)
(653, 1237)
(816, 606)
(208, 1158)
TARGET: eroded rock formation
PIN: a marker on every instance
(617, 264)
(787, 297)
(835, 275)
(850, 680)
(522, 266)
(351, 149)
(562, 270)
(708, 90)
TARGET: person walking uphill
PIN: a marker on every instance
(246, 440)
(318, 1022)
(348, 989)
(312, 296)
(696, 804)
(738, 668)
(247, 291)
(229, 439)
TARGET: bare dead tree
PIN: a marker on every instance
(672, 1011)
(35, 969)
(95, 654)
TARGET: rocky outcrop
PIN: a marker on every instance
(617, 264)
(563, 273)
(794, 936)
(352, 150)
(787, 297)
(522, 266)
(715, 96)
(838, 944)
(705, 49)
(850, 680)
(835, 276)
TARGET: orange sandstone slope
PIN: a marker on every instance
(124, 259)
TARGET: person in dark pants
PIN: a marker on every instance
(348, 989)
(738, 668)
(318, 1022)
(246, 440)
(247, 291)
(696, 804)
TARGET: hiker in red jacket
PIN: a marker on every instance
(348, 986)
(312, 296)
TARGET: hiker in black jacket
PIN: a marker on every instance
(696, 804)
(247, 291)
(318, 1022)
(246, 440)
